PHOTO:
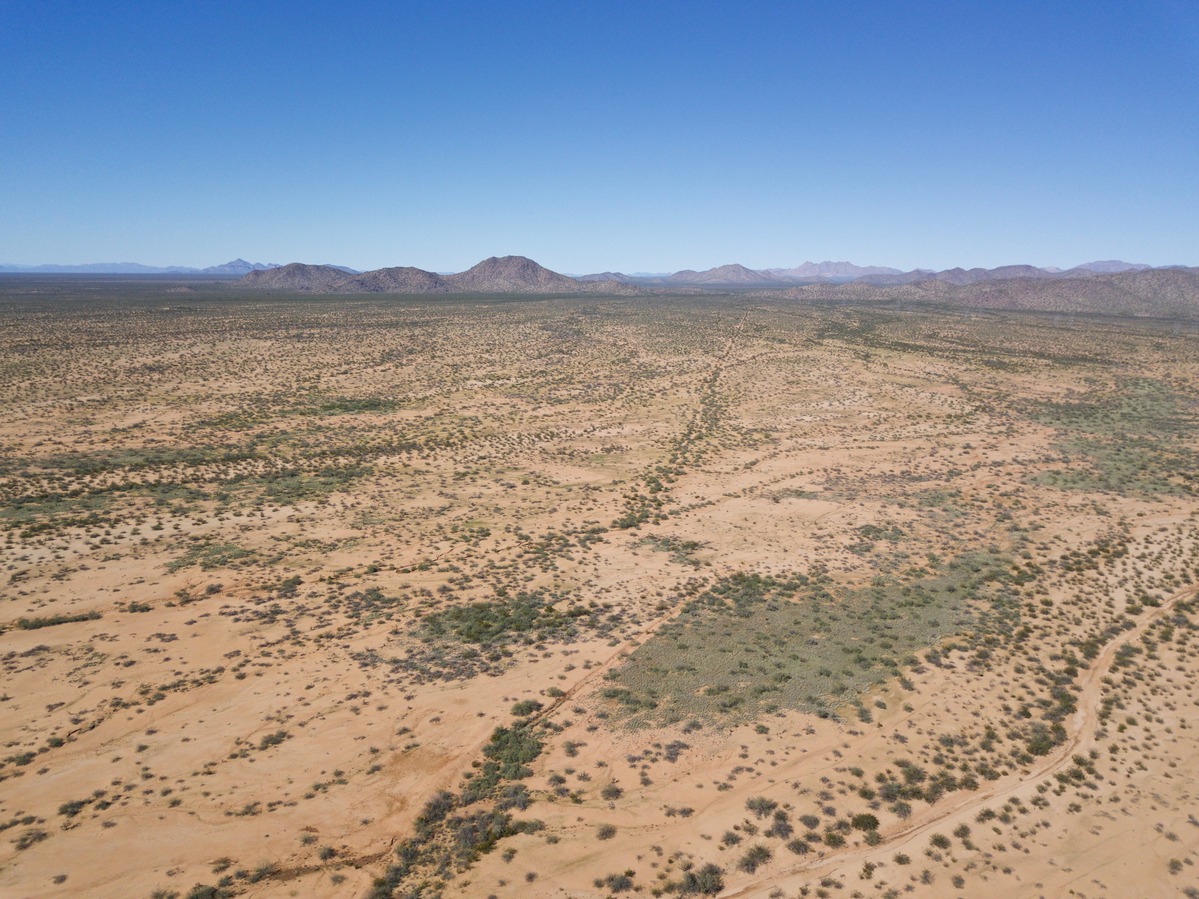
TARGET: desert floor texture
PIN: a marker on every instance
(590, 597)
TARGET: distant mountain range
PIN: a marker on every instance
(236, 267)
(1110, 287)
(526, 275)
(1115, 288)
(738, 276)
(520, 276)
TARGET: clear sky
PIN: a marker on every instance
(633, 136)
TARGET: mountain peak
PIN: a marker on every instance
(511, 274)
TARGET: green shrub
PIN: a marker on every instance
(32, 624)
(707, 881)
(611, 792)
(761, 806)
(864, 821)
(757, 856)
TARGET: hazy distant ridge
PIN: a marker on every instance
(235, 267)
(832, 271)
(522, 274)
(738, 276)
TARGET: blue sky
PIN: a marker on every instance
(640, 136)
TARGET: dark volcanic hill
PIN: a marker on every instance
(297, 276)
(511, 274)
(401, 279)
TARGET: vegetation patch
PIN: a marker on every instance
(47, 512)
(211, 554)
(33, 624)
(681, 551)
(524, 618)
(141, 458)
(751, 643)
(454, 830)
(289, 486)
(463, 641)
(345, 405)
(54, 511)
(1137, 441)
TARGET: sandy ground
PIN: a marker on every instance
(236, 537)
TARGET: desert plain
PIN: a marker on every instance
(648, 596)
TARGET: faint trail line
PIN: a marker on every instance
(632, 645)
(1082, 724)
(618, 655)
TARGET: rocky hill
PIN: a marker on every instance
(298, 277)
(511, 274)
(618, 277)
(734, 275)
(401, 279)
(1161, 293)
